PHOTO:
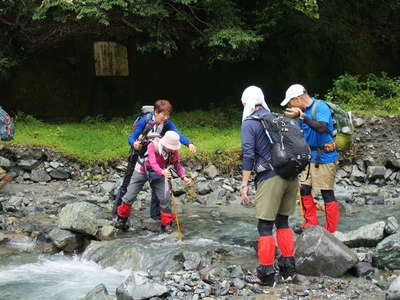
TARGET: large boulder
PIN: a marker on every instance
(320, 253)
(81, 217)
(99, 292)
(365, 236)
(139, 286)
(393, 292)
(120, 254)
(387, 253)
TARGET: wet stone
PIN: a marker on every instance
(203, 188)
(375, 200)
(64, 239)
(28, 164)
(98, 293)
(387, 253)
(391, 225)
(40, 175)
(60, 174)
(320, 253)
(211, 171)
(393, 292)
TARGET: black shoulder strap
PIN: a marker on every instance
(264, 124)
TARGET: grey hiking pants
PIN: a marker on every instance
(159, 189)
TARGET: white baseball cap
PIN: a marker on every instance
(294, 90)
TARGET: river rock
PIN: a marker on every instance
(356, 174)
(64, 239)
(394, 163)
(365, 236)
(14, 202)
(99, 292)
(106, 232)
(203, 187)
(81, 217)
(393, 292)
(387, 253)
(344, 195)
(2, 237)
(362, 269)
(6, 163)
(211, 171)
(375, 172)
(108, 187)
(320, 253)
(217, 197)
(151, 225)
(130, 254)
(139, 286)
(192, 260)
(40, 175)
(358, 122)
(375, 199)
(28, 164)
(60, 174)
(391, 225)
(178, 186)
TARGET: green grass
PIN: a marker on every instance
(96, 140)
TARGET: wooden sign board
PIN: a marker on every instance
(111, 59)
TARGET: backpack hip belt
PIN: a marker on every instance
(323, 148)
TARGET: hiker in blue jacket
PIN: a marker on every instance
(321, 172)
(150, 125)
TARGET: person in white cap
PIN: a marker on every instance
(315, 119)
(275, 197)
(162, 154)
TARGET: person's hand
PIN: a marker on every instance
(192, 148)
(166, 173)
(137, 145)
(187, 180)
(293, 112)
(244, 191)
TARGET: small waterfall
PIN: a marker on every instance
(56, 277)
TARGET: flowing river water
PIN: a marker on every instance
(27, 275)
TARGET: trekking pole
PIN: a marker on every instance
(174, 210)
(300, 202)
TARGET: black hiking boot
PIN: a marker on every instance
(265, 275)
(287, 269)
(121, 223)
(298, 229)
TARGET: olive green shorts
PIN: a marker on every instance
(275, 196)
(321, 178)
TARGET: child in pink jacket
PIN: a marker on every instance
(161, 155)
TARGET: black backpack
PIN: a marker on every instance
(290, 153)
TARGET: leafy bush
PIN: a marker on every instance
(378, 94)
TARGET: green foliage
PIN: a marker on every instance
(5, 65)
(94, 139)
(229, 30)
(375, 93)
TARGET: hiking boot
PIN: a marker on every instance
(287, 268)
(121, 223)
(6, 179)
(265, 275)
(298, 229)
